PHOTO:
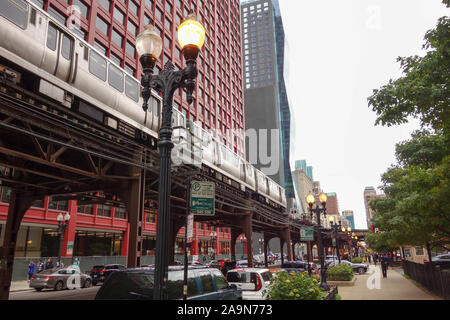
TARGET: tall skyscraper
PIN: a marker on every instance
(303, 183)
(332, 204)
(349, 216)
(111, 26)
(369, 193)
(265, 97)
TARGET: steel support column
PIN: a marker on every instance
(249, 235)
(18, 205)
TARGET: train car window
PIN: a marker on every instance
(115, 78)
(97, 65)
(51, 37)
(131, 88)
(155, 107)
(33, 16)
(66, 47)
(15, 11)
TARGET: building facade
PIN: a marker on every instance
(349, 216)
(111, 26)
(369, 193)
(332, 204)
(265, 96)
(303, 183)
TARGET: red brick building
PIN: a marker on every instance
(112, 26)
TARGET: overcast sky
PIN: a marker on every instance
(338, 52)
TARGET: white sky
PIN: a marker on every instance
(338, 52)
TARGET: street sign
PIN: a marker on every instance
(202, 198)
(307, 234)
(190, 228)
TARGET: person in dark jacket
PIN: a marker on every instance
(49, 264)
(384, 265)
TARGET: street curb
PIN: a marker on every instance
(342, 283)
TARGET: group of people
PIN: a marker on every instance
(41, 266)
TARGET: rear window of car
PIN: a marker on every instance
(97, 267)
(127, 286)
(243, 277)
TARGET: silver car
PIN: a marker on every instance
(60, 278)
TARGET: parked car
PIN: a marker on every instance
(138, 284)
(254, 282)
(241, 264)
(214, 264)
(227, 265)
(331, 258)
(57, 279)
(360, 268)
(442, 261)
(101, 272)
(299, 266)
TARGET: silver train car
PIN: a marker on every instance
(69, 70)
(73, 72)
(218, 156)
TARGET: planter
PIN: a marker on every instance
(342, 283)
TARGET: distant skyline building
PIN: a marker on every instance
(369, 193)
(265, 98)
(332, 204)
(349, 216)
(303, 183)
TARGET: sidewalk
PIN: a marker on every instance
(372, 286)
(20, 286)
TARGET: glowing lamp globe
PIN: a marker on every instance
(323, 197)
(191, 33)
(310, 199)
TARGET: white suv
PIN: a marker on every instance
(254, 282)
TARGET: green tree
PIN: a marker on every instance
(415, 209)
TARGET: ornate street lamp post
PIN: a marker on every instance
(261, 244)
(63, 223)
(310, 199)
(191, 36)
(242, 238)
(213, 236)
(336, 227)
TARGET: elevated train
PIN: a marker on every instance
(51, 60)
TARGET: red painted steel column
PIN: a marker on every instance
(69, 234)
(125, 241)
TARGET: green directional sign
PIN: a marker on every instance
(202, 198)
(307, 234)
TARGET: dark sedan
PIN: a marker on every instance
(360, 268)
(101, 272)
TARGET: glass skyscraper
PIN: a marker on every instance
(265, 98)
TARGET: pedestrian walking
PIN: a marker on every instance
(49, 264)
(375, 259)
(31, 269)
(39, 266)
(369, 258)
(384, 265)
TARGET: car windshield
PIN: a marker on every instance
(98, 267)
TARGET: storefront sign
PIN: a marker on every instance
(190, 228)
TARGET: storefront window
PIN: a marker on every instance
(179, 246)
(62, 205)
(86, 209)
(120, 213)
(91, 243)
(148, 245)
(104, 210)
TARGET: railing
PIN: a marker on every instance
(331, 295)
(431, 277)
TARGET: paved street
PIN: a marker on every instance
(394, 287)
(79, 294)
